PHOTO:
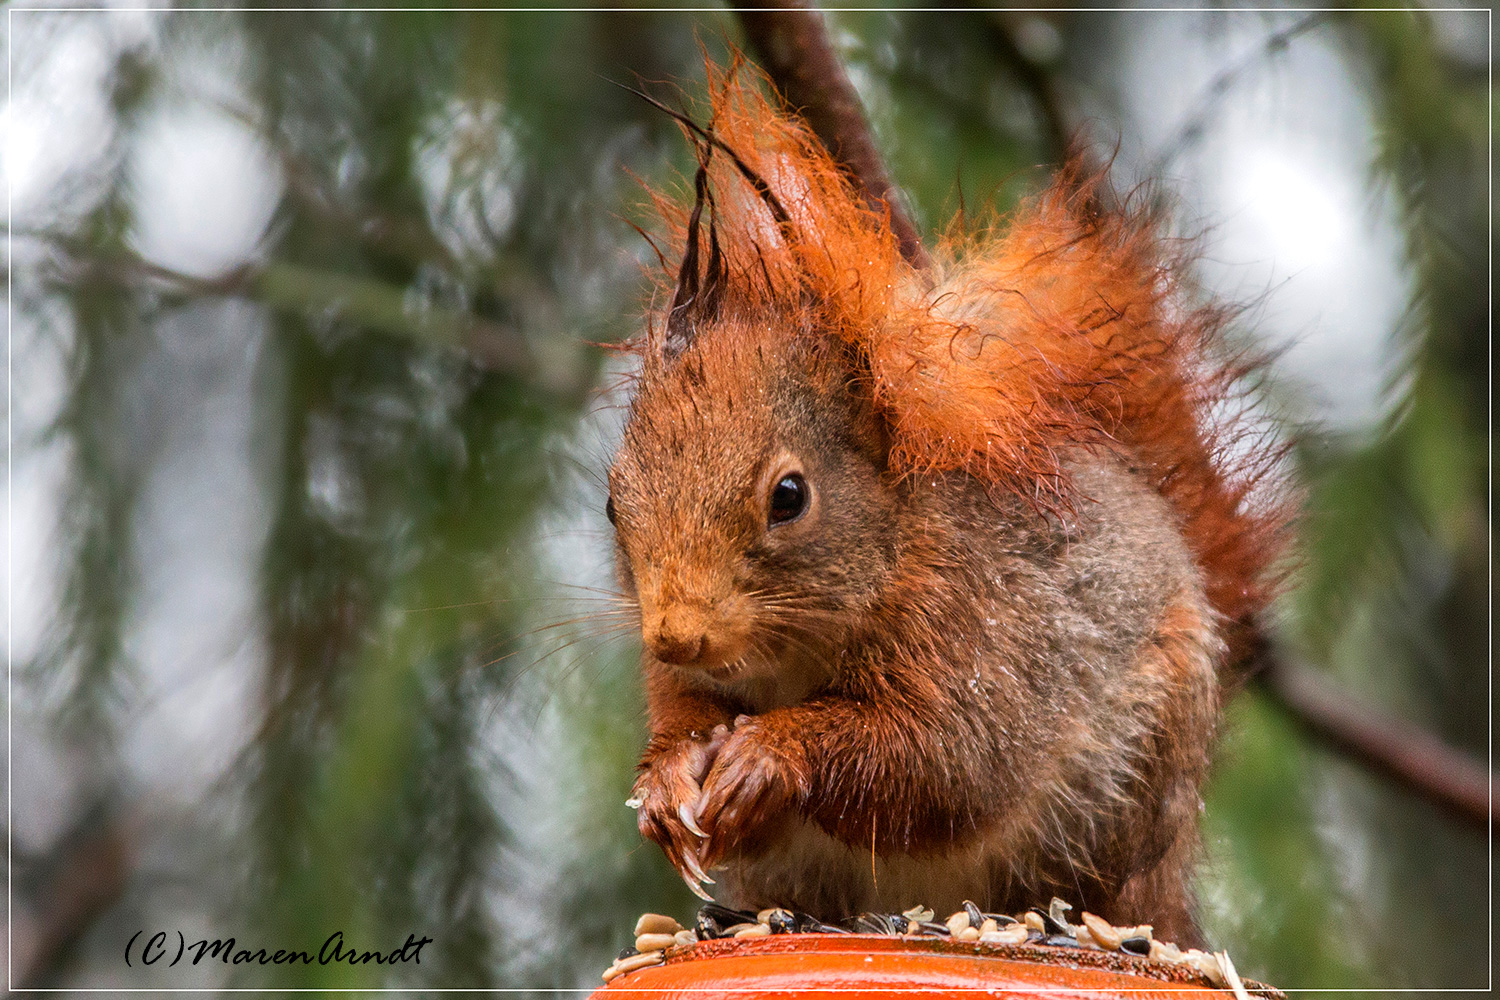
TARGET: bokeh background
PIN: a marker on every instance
(308, 414)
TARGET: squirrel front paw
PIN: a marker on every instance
(666, 796)
(755, 777)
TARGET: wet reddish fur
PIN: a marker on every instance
(1060, 331)
(1098, 340)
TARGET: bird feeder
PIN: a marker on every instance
(875, 966)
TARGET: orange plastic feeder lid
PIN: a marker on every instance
(867, 965)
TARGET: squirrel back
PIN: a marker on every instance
(937, 570)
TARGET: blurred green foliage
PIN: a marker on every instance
(435, 745)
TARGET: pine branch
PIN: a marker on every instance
(792, 44)
(1404, 753)
(295, 288)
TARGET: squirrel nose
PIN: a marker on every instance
(679, 636)
(671, 649)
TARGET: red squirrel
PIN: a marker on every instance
(938, 571)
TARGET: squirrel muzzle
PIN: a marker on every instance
(679, 634)
(692, 629)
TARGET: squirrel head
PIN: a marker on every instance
(750, 501)
(798, 374)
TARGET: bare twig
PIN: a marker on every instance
(294, 288)
(1192, 128)
(792, 44)
(1057, 128)
(1406, 754)
(79, 879)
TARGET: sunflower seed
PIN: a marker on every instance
(654, 942)
(1165, 951)
(655, 923)
(1010, 934)
(1104, 933)
(634, 962)
(1050, 924)
(1231, 976)
(807, 924)
(713, 920)
(872, 923)
(1207, 965)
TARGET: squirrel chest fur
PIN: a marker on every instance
(936, 573)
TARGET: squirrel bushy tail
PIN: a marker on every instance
(1062, 325)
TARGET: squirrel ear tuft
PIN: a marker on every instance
(698, 296)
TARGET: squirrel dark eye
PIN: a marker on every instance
(789, 499)
(609, 509)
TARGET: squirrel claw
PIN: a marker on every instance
(698, 890)
(690, 862)
(685, 813)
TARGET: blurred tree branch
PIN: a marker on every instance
(401, 236)
(796, 54)
(1193, 127)
(1057, 124)
(792, 43)
(80, 878)
(361, 301)
(1396, 749)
